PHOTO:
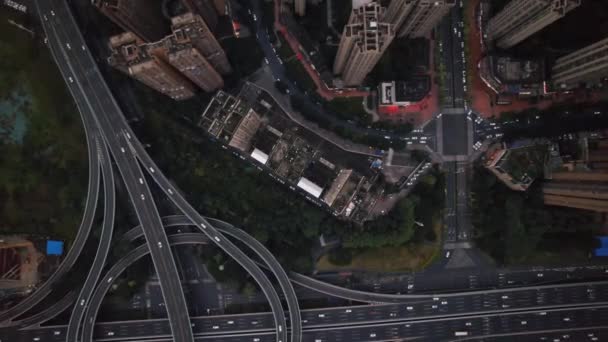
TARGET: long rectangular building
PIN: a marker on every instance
(148, 66)
(423, 16)
(193, 28)
(589, 65)
(143, 18)
(364, 40)
(522, 18)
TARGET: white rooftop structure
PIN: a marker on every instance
(259, 156)
(310, 187)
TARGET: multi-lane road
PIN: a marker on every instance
(85, 82)
(491, 313)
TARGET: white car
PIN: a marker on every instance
(447, 254)
(170, 191)
(160, 244)
(216, 238)
(56, 332)
(68, 45)
(141, 181)
(266, 60)
(216, 327)
(348, 311)
(152, 169)
(71, 79)
(372, 335)
(143, 197)
(53, 13)
(45, 18)
(82, 302)
(110, 333)
(122, 149)
(83, 48)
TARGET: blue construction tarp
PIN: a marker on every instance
(54, 247)
(603, 241)
(601, 252)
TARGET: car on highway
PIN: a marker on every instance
(160, 244)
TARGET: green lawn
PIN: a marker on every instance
(410, 257)
(349, 108)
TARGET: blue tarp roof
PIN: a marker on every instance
(54, 247)
(603, 241)
(601, 252)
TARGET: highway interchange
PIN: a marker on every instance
(572, 310)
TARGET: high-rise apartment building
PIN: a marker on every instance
(205, 8)
(220, 6)
(364, 39)
(148, 67)
(299, 7)
(589, 65)
(142, 17)
(192, 28)
(190, 62)
(397, 11)
(423, 16)
(522, 18)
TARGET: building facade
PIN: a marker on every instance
(299, 7)
(192, 64)
(142, 17)
(192, 28)
(397, 11)
(206, 9)
(423, 16)
(148, 66)
(522, 18)
(589, 65)
(364, 39)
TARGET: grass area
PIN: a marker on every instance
(420, 248)
(349, 108)
(43, 178)
(296, 72)
(410, 257)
